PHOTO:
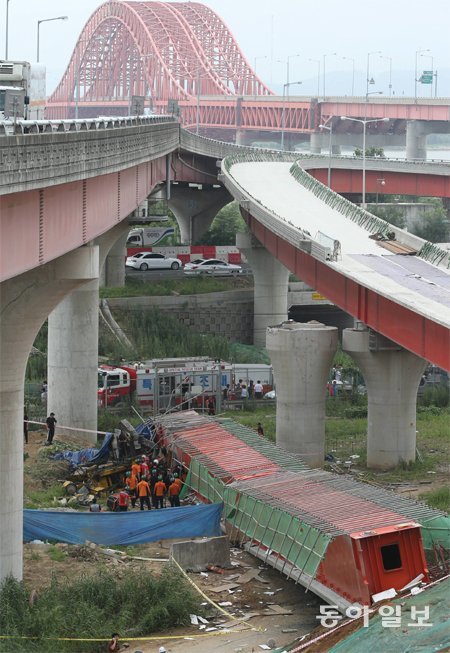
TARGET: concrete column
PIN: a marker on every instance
(315, 142)
(195, 208)
(392, 376)
(114, 267)
(416, 139)
(271, 286)
(301, 355)
(25, 303)
(72, 360)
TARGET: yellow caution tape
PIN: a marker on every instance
(159, 637)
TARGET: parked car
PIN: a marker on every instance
(152, 261)
(137, 255)
(212, 266)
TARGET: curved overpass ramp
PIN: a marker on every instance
(394, 282)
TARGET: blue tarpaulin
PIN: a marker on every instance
(108, 528)
(84, 456)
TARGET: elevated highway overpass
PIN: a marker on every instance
(64, 197)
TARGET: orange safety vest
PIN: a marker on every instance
(179, 482)
(135, 469)
(143, 489)
(132, 482)
(160, 488)
(174, 489)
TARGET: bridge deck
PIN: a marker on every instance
(409, 281)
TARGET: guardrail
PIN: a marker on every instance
(283, 228)
(82, 149)
(12, 127)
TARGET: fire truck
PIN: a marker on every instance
(163, 384)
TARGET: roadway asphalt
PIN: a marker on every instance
(158, 275)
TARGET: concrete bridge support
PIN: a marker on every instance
(301, 356)
(392, 376)
(195, 208)
(416, 139)
(271, 286)
(25, 303)
(73, 347)
(113, 273)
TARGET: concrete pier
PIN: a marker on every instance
(301, 356)
(271, 286)
(25, 303)
(392, 376)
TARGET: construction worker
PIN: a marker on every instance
(124, 500)
(144, 467)
(174, 492)
(136, 469)
(132, 482)
(144, 493)
(177, 479)
(160, 490)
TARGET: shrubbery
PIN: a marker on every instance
(93, 607)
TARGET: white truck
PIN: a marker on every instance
(22, 90)
(148, 236)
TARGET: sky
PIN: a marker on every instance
(272, 30)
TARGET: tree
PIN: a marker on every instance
(227, 223)
(392, 214)
(377, 152)
(435, 226)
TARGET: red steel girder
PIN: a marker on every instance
(165, 50)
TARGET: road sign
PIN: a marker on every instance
(426, 77)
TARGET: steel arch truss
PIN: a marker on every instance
(157, 49)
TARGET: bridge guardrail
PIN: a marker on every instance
(277, 224)
(37, 160)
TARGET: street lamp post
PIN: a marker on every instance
(324, 56)
(364, 123)
(330, 132)
(428, 56)
(368, 78)
(353, 73)
(415, 72)
(255, 60)
(390, 72)
(7, 30)
(317, 61)
(381, 182)
(285, 87)
(46, 20)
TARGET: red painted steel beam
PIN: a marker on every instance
(414, 332)
(396, 183)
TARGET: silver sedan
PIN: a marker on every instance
(212, 266)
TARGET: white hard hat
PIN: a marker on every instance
(162, 649)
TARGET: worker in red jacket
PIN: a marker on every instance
(124, 500)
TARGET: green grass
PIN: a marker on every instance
(439, 498)
(56, 554)
(93, 607)
(43, 498)
(348, 436)
(192, 286)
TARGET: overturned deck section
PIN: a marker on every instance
(342, 539)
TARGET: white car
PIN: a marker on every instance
(151, 261)
(212, 266)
